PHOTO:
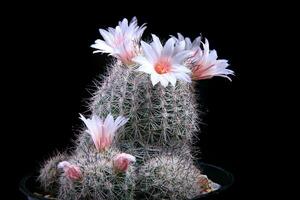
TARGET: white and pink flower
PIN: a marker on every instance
(73, 172)
(122, 161)
(103, 131)
(164, 63)
(121, 42)
(205, 65)
(203, 62)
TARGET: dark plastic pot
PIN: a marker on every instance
(28, 184)
(218, 175)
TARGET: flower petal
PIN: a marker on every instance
(120, 121)
(149, 53)
(164, 82)
(107, 36)
(171, 78)
(156, 44)
(168, 48)
(102, 46)
(154, 79)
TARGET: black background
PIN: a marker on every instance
(52, 69)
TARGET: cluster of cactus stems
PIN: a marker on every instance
(147, 152)
(159, 118)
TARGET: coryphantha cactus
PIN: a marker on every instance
(98, 175)
(138, 142)
(172, 177)
(159, 117)
(49, 174)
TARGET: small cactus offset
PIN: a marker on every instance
(172, 177)
(138, 141)
(100, 177)
(49, 173)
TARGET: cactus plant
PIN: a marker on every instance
(172, 177)
(147, 151)
(49, 174)
(100, 179)
(158, 117)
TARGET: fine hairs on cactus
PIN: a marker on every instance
(49, 173)
(158, 117)
(100, 180)
(138, 141)
(172, 177)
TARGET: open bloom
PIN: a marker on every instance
(103, 131)
(122, 161)
(164, 63)
(206, 65)
(72, 171)
(121, 42)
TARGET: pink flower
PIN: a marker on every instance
(103, 131)
(205, 64)
(122, 161)
(165, 64)
(72, 171)
(121, 42)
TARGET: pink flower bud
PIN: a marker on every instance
(71, 171)
(122, 161)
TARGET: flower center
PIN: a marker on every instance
(162, 67)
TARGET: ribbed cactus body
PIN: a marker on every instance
(49, 174)
(99, 180)
(169, 177)
(159, 133)
(159, 118)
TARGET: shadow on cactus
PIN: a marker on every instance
(139, 138)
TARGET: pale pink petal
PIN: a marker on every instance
(197, 42)
(149, 53)
(168, 48)
(109, 122)
(212, 55)
(183, 77)
(180, 36)
(180, 68)
(154, 79)
(172, 79)
(120, 121)
(156, 44)
(179, 47)
(107, 36)
(92, 128)
(102, 46)
(164, 82)
(181, 56)
(146, 68)
(122, 161)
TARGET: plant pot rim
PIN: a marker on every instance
(23, 186)
(223, 187)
